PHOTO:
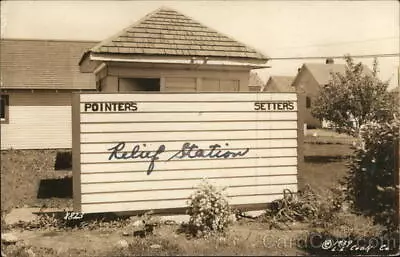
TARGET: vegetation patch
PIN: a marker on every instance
(306, 206)
(26, 173)
(209, 210)
(371, 181)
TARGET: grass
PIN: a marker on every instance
(29, 178)
(324, 165)
(327, 136)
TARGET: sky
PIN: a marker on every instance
(275, 28)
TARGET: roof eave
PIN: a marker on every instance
(90, 61)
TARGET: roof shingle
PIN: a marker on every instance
(43, 64)
(168, 33)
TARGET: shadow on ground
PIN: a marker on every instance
(63, 160)
(59, 187)
(325, 158)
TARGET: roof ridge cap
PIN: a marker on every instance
(165, 8)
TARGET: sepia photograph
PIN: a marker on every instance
(200, 128)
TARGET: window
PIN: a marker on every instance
(308, 102)
(4, 108)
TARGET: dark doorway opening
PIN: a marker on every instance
(138, 84)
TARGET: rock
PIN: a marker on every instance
(9, 238)
(20, 244)
(233, 217)
(345, 207)
(123, 243)
(177, 219)
(125, 233)
(137, 223)
(222, 239)
(20, 214)
(170, 222)
(254, 214)
(30, 253)
(155, 246)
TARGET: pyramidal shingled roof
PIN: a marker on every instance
(168, 33)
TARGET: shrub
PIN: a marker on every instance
(348, 232)
(344, 225)
(290, 208)
(209, 210)
(306, 206)
(370, 182)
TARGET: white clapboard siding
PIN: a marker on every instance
(154, 205)
(180, 193)
(162, 136)
(225, 173)
(186, 117)
(169, 107)
(253, 153)
(193, 183)
(189, 164)
(232, 144)
(202, 97)
(187, 126)
(37, 127)
(266, 139)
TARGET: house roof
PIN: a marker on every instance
(280, 84)
(322, 72)
(255, 81)
(166, 32)
(43, 64)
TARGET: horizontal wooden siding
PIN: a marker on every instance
(229, 120)
(38, 121)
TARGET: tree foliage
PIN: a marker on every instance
(354, 98)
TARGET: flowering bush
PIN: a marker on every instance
(209, 210)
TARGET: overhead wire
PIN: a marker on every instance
(336, 57)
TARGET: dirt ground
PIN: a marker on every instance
(32, 178)
(242, 239)
(34, 182)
